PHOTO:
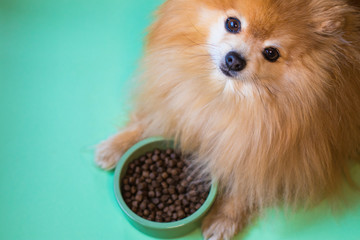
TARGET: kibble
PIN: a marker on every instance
(156, 187)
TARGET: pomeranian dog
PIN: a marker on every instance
(265, 93)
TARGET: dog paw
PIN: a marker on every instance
(219, 228)
(109, 152)
(106, 155)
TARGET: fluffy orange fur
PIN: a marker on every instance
(290, 140)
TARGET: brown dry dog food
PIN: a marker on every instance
(156, 187)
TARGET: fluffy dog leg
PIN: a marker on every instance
(226, 218)
(108, 152)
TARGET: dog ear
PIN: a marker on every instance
(332, 21)
(331, 27)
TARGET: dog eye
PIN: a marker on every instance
(271, 54)
(233, 25)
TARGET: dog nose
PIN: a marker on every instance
(235, 62)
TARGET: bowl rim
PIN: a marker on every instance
(142, 221)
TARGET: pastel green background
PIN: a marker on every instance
(65, 70)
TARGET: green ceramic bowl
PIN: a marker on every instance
(156, 229)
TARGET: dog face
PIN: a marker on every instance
(250, 50)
